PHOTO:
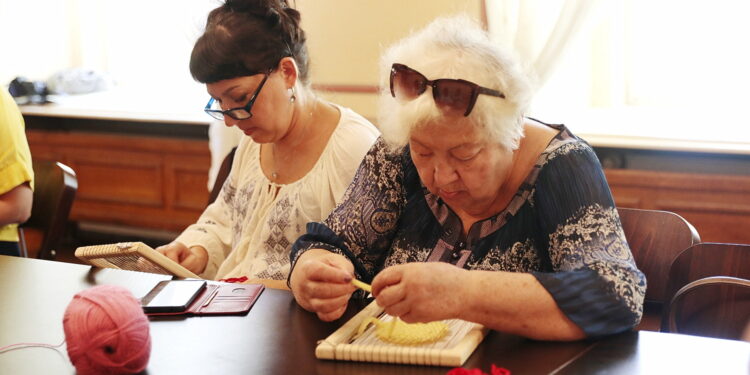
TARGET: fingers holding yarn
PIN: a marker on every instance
(327, 305)
(333, 315)
(387, 298)
(387, 278)
(399, 309)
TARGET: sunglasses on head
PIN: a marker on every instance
(453, 96)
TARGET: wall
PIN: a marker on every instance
(346, 39)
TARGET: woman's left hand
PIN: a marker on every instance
(421, 292)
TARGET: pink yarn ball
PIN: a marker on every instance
(107, 332)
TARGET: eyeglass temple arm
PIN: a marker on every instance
(486, 91)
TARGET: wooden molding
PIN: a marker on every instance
(348, 89)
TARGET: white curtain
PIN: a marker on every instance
(538, 30)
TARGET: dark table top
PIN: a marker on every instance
(278, 337)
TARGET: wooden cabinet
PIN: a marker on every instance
(154, 175)
(152, 181)
(717, 205)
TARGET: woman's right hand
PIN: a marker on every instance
(194, 259)
(321, 283)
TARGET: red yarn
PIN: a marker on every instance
(107, 332)
(240, 279)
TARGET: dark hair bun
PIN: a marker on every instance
(244, 37)
(252, 5)
(276, 13)
(265, 9)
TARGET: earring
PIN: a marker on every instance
(293, 97)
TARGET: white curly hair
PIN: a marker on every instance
(455, 47)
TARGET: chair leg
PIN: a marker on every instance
(22, 243)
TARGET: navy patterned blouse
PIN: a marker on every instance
(561, 226)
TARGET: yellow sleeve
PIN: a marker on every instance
(15, 156)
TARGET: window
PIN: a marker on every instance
(143, 45)
(667, 68)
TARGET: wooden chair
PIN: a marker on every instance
(717, 306)
(655, 239)
(55, 186)
(703, 304)
(224, 169)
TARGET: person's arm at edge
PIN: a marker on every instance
(15, 205)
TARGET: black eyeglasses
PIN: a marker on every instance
(214, 110)
(453, 96)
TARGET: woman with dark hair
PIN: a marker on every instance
(299, 155)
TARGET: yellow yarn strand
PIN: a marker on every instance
(366, 287)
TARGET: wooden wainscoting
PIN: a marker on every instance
(717, 205)
(158, 181)
(131, 180)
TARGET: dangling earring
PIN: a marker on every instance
(293, 97)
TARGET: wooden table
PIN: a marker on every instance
(278, 337)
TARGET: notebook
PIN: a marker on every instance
(133, 256)
(453, 350)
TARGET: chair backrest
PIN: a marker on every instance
(224, 169)
(716, 306)
(655, 239)
(705, 260)
(55, 186)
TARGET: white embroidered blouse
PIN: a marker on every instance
(248, 231)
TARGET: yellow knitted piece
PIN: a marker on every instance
(398, 332)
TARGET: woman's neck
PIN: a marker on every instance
(301, 129)
(296, 153)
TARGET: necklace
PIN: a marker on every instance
(274, 174)
(274, 171)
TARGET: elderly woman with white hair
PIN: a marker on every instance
(466, 209)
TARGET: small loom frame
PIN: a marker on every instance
(338, 346)
(134, 256)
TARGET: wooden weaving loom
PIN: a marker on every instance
(134, 256)
(452, 350)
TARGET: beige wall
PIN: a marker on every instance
(346, 37)
(345, 40)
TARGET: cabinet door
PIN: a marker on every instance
(137, 181)
(718, 206)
